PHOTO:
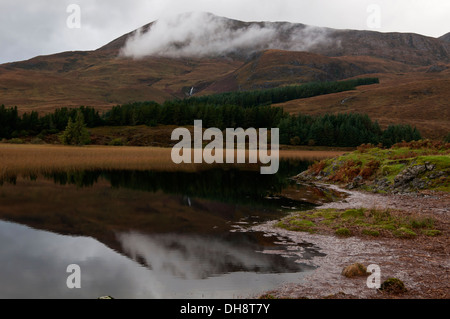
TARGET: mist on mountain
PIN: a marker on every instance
(201, 34)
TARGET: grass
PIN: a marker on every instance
(301, 225)
(361, 222)
(29, 159)
(344, 232)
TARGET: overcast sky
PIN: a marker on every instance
(38, 27)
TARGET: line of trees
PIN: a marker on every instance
(174, 113)
(278, 95)
(344, 130)
(31, 124)
(236, 109)
(348, 129)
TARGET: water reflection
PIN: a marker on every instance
(145, 234)
(224, 185)
(189, 257)
(34, 265)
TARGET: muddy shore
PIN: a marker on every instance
(423, 264)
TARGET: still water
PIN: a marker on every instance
(150, 234)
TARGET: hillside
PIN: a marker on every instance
(273, 68)
(413, 69)
(102, 80)
(417, 98)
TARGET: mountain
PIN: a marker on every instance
(201, 53)
(186, 36)
(445, 37)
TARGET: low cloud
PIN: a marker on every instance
(204, 34)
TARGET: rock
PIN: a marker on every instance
(418, 183)
(357, 181)
(350, 186)
(408, 175)
(355, 270)
(383, 184)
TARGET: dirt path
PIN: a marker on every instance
(423, 264)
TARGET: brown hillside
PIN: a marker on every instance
(100, 80)
(418, 98)
(273, 68)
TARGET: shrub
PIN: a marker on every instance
(16, 141)
(393, 286)
(371, 232)
(344, 232)
(117, 142)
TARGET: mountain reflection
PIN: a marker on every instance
(34, 264)
(201, 257)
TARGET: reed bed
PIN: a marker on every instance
(28, 160)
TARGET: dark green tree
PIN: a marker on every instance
(76, 132)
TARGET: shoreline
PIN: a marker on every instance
(422, 264)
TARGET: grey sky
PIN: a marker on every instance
(38, 27)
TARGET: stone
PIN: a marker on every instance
(355, 270)
(408, 175)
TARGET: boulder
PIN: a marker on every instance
(355, 270)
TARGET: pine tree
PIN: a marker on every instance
(76, 132)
